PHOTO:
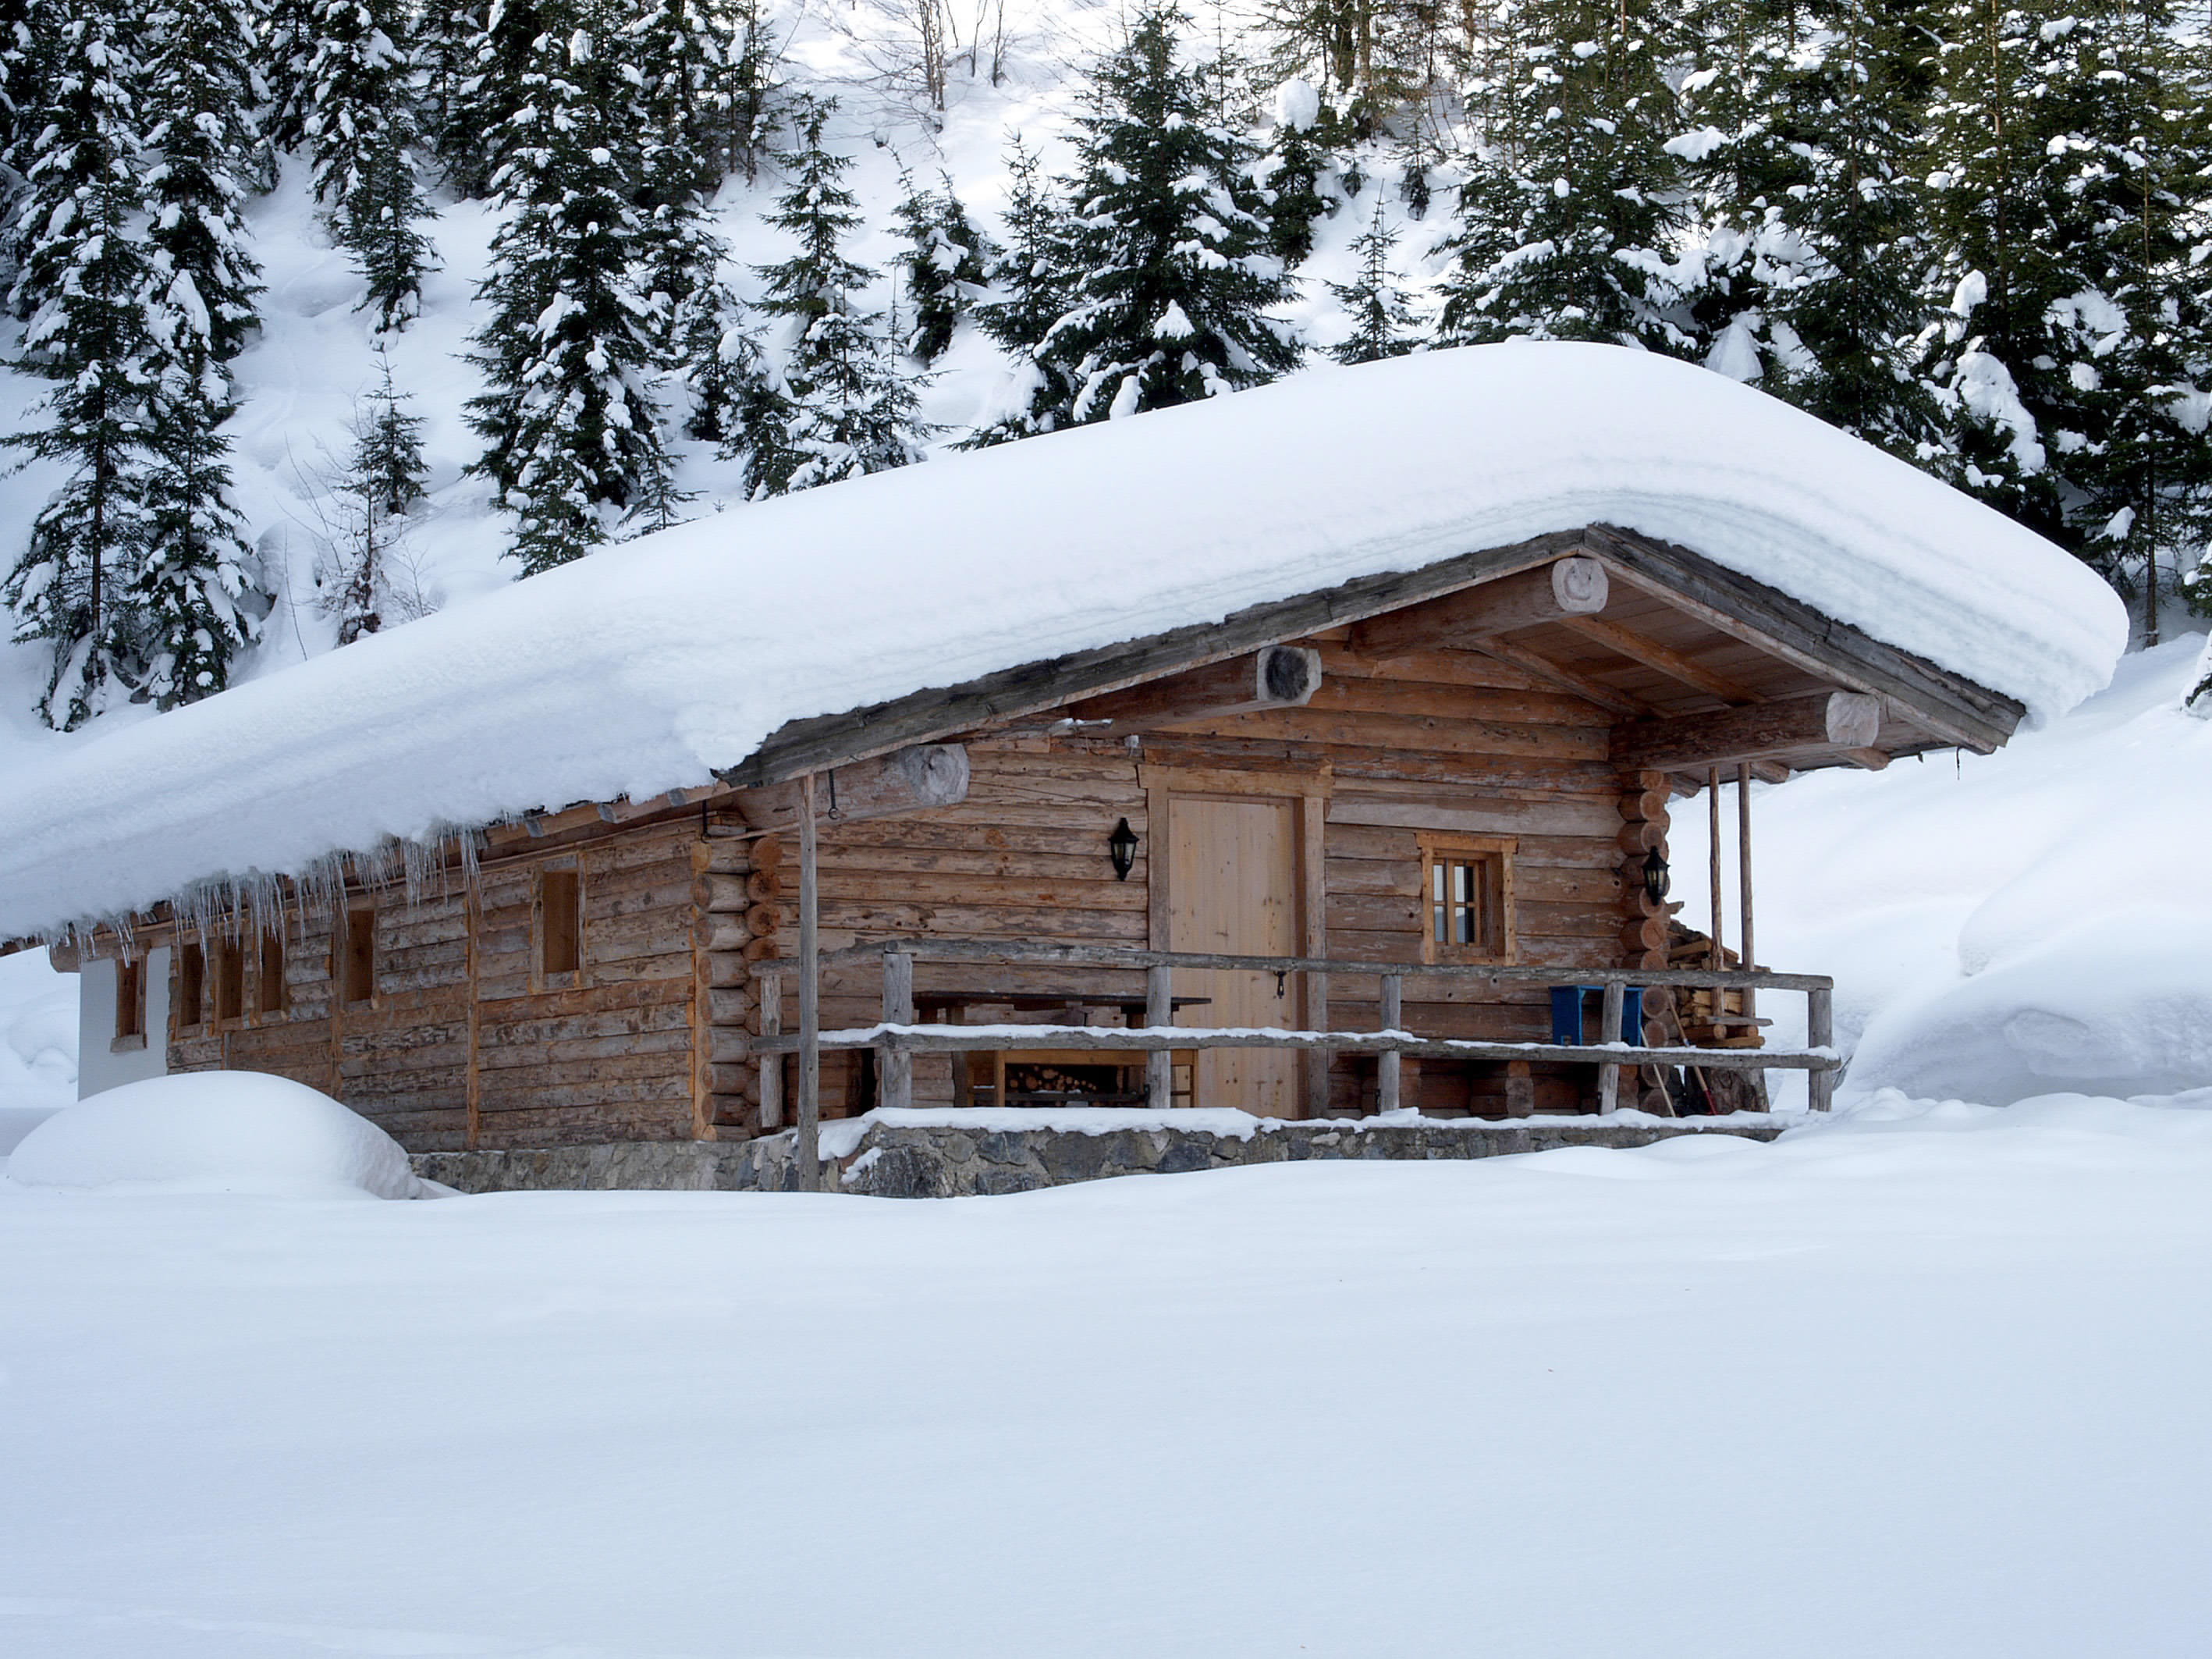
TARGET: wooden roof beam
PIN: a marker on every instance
(1568, 588)
(908, 780)
(1839, 721)
(1665, 659)
(1276, 676)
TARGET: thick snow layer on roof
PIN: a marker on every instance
(642, 668)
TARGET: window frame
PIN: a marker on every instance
(1494, 855)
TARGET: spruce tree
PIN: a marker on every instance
(839, 405)
(1383, 322)
(198, 584)
(1815, 254)
(2134, 340)
(85, 278)
(382, 482)
(1030, 283)
(569, 425)
(1567, 230)
(1296, 167)
(945, 260)
(1172, 278)
(361, 130)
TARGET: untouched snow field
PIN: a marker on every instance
(1914, 1383)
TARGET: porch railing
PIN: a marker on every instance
(897, 1037)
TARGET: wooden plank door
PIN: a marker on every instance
(1233, 890)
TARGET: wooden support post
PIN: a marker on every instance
(1743, 883)
(894, 1066)
(1159, 1065)
(1821, 1033)
(771, 1065)
(1713, 860)
(1388, 1067)
(1608, 1031)
(807, 1151)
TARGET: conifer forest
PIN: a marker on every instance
(1973, 233)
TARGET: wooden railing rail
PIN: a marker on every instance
(896, 1038)
(1015, 952)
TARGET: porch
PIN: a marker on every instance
(1155, 1062)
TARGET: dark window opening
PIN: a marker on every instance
(357, 975)
(560, 917)
(130, 999)
(269, 992)
(230, 979)
(191, 978)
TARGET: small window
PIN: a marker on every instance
(230, 979)
(129, 1002)
(269, 994)
(1467, 887)
(357, 955)
(191, 983)
(560, 922)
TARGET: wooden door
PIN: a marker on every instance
(1233, 890)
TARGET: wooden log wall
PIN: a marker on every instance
(470, 1042)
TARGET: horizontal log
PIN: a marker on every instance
(1018, 950)
(1274, 677)
(1643, 836)
(727, 1047)
(969, 1039)
(912, 779)
(716, 895)
(1574, 586)
(730, 1007)
(1832, 720)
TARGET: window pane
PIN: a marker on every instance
(1441, 931)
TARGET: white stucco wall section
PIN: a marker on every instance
(101, 1063)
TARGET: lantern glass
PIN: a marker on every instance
(1657, 881)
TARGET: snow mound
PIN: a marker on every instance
(215, 1130)
(2120, 1006)
(679, 653)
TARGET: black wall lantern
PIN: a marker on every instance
(1122, 844)
(1656, 880)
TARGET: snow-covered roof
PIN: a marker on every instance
(644, 668)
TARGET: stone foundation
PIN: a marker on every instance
(950, 1160)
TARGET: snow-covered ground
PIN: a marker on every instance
(1917, 1383)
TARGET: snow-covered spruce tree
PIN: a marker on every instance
(26, 32)
(499, 38)
(85, 276)
(1029, 281)
(198, 584)
(571, 433)
(1804, 157)
(2134, 340)
(945, 261)
(680, 54)
(1569, 233)
(445, 39)
(1296, 165)
(1384, 321)
(1172, 276)
(677, 55)
(361, 582)
(841, 404)
(199, 150)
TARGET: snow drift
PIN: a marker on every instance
(650, 665)
(215, 1130)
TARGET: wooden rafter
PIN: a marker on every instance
(1663, 658)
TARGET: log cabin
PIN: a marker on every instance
(1359, 704)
